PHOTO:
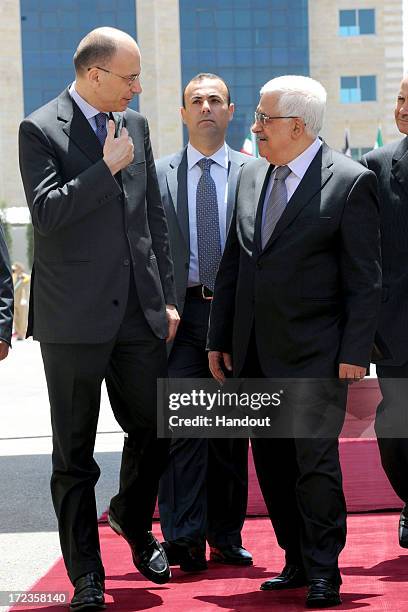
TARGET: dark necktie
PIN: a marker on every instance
(101, 133)
(276, 203)
(208, 225)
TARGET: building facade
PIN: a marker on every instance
(354, 47)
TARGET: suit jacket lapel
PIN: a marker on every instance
(234, 166)
(177, 184)
(261, 184)
(400, 163)
(313, 181)
(77, 127)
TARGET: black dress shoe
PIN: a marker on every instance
(230, 555)
(149, 557)
(189, 557)
(403, 528)
(88, 593)
(291, 577)
(323, 594)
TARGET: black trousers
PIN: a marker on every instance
(203, 491)
(301, 482)
(130, 364)
(391, 426)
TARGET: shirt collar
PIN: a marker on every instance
(301, 163)
(88, 110)
(220, 157)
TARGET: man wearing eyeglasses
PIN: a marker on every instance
(297, 297)
(102, 299)
(6, 298)
(203, 491)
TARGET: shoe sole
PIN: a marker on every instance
(218, 559)
(283, 588)
(323, 604)
(89, 607)
(158, 578)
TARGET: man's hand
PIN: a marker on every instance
(350, 372)
(173, 319)
(117, 152)
(218, 361)
(4, 349)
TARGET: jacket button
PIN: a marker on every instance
(115, 302)
(126, 262)
(259, 266)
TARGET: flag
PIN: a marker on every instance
(379, 140)
(249, 145)
(346, 149)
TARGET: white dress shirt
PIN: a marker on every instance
(88, 110)
(298, 167)
(219, 173)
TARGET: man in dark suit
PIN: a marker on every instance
(102, 299)
(296, 297)
(203, 492)
(390, 164)
(6, 298)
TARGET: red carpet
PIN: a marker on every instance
(374, 569)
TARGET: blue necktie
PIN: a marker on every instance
(208, 226)
(276, 203)
(101, 133)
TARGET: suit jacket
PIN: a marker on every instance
(172, 177)
(390, 164)
(6, 291)
(91, 230)
(312, 294)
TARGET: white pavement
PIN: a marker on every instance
(28, 538)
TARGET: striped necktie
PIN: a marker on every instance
(276, 203)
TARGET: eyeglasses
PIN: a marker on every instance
(129, 79)
(262, 118)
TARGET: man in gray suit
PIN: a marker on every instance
(6, 298)
(102, 300)
(203, 492)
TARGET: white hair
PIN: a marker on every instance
(300, 96)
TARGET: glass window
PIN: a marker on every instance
(358, 89)
(242, 19)
(356, 22)
(225, 38)
(348, 19)
(262, 57)
(206, 19)
(368, 88)
(225, 57)
(279, 18)
(259, 19)
(366, 19)
(223, 19)
(358, 152)
(243, 38)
